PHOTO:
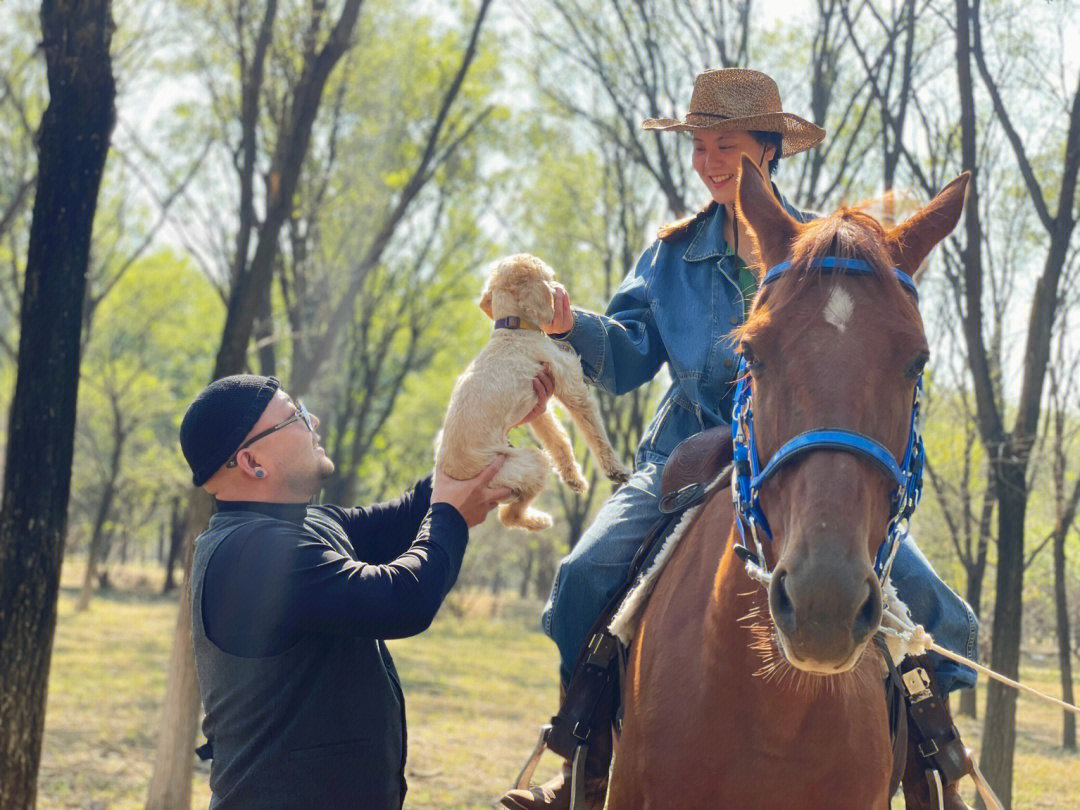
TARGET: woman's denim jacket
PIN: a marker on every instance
(679, 307)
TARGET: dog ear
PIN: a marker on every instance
(485, 302)
(537, 302)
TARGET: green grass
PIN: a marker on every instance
(477, 686)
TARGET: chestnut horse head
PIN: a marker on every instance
(834, 348)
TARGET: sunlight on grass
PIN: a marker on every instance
(478, 684)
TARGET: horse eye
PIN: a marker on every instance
(752, 363)
(917, 365)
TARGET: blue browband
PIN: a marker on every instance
(851, 267)
(749, 476)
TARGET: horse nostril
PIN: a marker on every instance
(869, 616)
(780, 604)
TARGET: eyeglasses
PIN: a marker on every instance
(300, 414)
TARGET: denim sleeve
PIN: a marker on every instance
(621, 349)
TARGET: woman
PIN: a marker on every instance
(690, 289)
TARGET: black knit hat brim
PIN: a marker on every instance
(219, 419)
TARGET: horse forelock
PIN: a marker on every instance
(849, 233)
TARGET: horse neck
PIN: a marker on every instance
(737, 602)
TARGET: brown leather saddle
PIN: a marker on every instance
(696, 460)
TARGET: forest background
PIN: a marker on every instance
(314, 190)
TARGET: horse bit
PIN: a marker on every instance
(748, 476)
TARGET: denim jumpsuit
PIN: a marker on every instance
(678, 307)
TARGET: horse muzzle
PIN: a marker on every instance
(825, 610)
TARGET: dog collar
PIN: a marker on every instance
(515, 322)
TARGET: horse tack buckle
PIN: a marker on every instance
(937, 739)
(917, 683)
(681, 498)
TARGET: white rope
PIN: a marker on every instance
(989, 798)
(989, 673)
(915, 641)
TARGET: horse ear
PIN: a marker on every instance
(911, 241)
(774, 228)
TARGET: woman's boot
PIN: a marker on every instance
(555, 794)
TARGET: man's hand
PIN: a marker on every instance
(563, 320)
(543, 386)
(473, 498)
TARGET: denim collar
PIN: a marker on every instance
(709, 241)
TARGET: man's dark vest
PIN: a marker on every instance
(320, 725)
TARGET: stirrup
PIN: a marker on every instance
(529, 768)
(578, 790)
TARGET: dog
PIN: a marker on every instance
(495, 393)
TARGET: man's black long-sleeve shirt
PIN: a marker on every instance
(268, 584)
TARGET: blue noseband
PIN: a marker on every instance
(749, 476)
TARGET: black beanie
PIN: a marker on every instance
(219, 418)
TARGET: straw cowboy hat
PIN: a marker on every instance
(736, 98)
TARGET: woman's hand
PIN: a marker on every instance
(543, 386)
(473, 498)
(563, 320)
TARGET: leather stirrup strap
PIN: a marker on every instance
(937, 738)
(897, 710)
(577, 778)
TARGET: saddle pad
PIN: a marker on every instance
(624, 623)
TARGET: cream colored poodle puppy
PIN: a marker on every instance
(495, 393)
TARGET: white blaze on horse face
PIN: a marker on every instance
(839, 307)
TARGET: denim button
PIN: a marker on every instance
(728, 363)
(734, 320)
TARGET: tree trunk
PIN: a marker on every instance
(1061, 608)
(176, 544)
(976, 574)
(999, 726)
(526, 573)
(73, 142)
(170, 781)
(97, 537)
(967, 704)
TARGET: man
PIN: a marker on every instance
(291, 603)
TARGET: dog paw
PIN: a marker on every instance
(577, 484)
(617, 474)
(530, 520)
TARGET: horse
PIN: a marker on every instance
(735, 697)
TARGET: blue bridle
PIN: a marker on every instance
(748, 476)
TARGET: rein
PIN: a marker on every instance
(749, 475)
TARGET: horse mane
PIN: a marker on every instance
(849, 233)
